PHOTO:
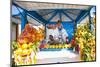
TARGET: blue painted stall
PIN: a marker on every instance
(45, 16)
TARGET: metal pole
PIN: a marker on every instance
(75, 27)
(23, 20)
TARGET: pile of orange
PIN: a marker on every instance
(30, 34)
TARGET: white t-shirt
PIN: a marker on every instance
(53, 32)
(64, 34)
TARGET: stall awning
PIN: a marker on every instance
(51, 12)
(29, 5)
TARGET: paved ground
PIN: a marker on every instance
(44, 57)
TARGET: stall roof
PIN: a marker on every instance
(52, 12)
(29, 5)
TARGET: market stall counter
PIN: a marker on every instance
(57, 56)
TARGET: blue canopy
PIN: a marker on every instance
(50, 13)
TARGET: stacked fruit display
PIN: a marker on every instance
(86, 40)
(27, 45)
(31, 34)
(61, 46)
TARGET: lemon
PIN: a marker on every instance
(63, 46)
(55, 46)
(19, 51)
(35, 60)
(24, 52)
(24, 46)
(59, 46)
(66, 46)
(50, 46)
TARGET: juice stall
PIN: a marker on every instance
(45, 33)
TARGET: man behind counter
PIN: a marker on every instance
(62, 37)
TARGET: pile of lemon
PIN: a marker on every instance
(60, 46)
(22, 55)
(86, 40)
